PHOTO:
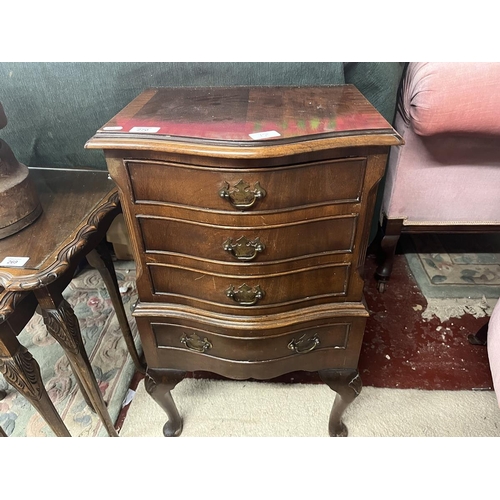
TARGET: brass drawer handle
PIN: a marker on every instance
(245, 295)
(241, 196)
(304, 345)
(243, 249)
(196, 343)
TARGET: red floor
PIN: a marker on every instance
(401, 350)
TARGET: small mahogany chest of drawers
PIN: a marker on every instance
(249, 210)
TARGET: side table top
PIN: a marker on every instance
(73, 202)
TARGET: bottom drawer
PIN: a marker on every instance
(189, 347)
(331, 336)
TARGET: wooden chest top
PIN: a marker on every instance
(246, 117)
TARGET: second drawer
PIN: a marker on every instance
(244, 244)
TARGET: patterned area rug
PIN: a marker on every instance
(104, 345)
(455, 265)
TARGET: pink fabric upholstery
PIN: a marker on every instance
(494, 348)
(453, 97)
(452, 178)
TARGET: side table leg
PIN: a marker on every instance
(62, 324)
(81, 386)
(100, 259)
(347, 384)
(158, 384)
(22, 371)
(83, 390)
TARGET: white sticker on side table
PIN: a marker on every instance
(264, 135)
(14, 261)
(145, 130)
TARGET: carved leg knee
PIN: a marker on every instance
(62, 324)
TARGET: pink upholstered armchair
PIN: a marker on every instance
(447, 175)
(493, 343)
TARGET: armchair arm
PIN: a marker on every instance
(451, 98)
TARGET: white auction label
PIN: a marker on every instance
(145, 130)
(264, 135)
(112, 128)
(14, 261)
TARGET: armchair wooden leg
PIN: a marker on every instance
(392, 231)
(480, 337)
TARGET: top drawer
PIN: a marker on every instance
(258, 189)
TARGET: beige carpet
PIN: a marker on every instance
(260, 409)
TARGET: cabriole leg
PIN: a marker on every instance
(347, 384)
(158, 384)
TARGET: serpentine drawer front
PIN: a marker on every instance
(229, 189)
(255, 244)
(249, 210)
(249, 294)
(288, 350)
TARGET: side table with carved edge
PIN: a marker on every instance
(78, 208)
(17, 365)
